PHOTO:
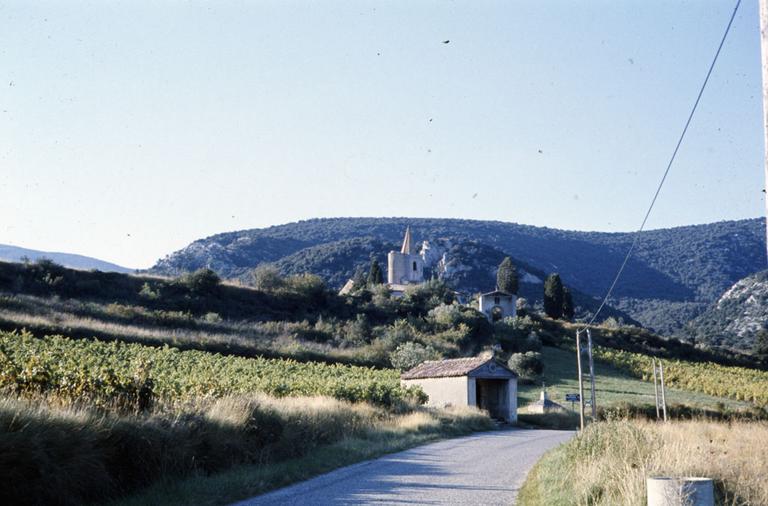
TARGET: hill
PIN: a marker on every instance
(736, 317)
(673, 276)
(16, 254)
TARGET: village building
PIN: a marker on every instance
(497, 305)
(478, 381)
(404, 267)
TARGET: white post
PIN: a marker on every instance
(688, 491)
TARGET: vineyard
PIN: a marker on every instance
(135, 375)
(738, 383)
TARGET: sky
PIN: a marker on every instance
(130, 129)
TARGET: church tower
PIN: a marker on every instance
(405, 267)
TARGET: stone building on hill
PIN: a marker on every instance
(497, 305)
(405, 267)
(478, 381)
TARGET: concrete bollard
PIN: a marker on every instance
(687, 491)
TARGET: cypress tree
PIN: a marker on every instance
(553, 296)
(506, 277)
(761, 345)
(374, 276)
(568, 309)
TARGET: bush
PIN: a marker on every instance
(409, 355)
(309, 286)
(212, 317)
(527, 365)
(201, 282)
(267, 278)
(148, 293)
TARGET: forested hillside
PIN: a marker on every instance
(673, 276)
(736, 318)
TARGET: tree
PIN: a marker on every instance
(267, 278)
(553, 296)
(202, 282)
(761, 344)
(527, 365)
(374, 276)
(411, 354)
(568, 309)
(506, 277)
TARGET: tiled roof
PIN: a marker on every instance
(445, 368)
(497, 292)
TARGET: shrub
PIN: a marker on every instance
(446, 315)
(148, 293)
(309, 286)
(201, 282)
(527, 365)
(532, 342)
(212, 317)
(267, 278)
(409, 355)
(382, 297)
(426, 296)
(358, 331)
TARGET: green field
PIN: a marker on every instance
(612, 385)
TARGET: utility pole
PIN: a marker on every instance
(581, 379)
(764, 52)
(592, 375)
(663, 390)
(656, 389)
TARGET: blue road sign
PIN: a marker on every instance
(572, 397)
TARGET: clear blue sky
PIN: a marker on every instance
(129, 129)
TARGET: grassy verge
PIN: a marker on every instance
(250, 480)
(609, 462)
(52, 452)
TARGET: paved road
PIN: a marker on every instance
(485, 469)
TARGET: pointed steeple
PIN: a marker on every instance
(406, 249)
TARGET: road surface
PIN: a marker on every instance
(486, 468)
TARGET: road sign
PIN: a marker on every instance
(572, 397)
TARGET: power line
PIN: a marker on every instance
(669, 166)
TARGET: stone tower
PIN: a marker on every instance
(405, 267)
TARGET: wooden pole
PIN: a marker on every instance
(581, 380)
(764, 52)
(592, 375)
(663, 390)
(656, 389)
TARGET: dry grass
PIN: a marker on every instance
(609, 463)
(54, 453)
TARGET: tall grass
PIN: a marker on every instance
(70, 455)
(609, 462)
